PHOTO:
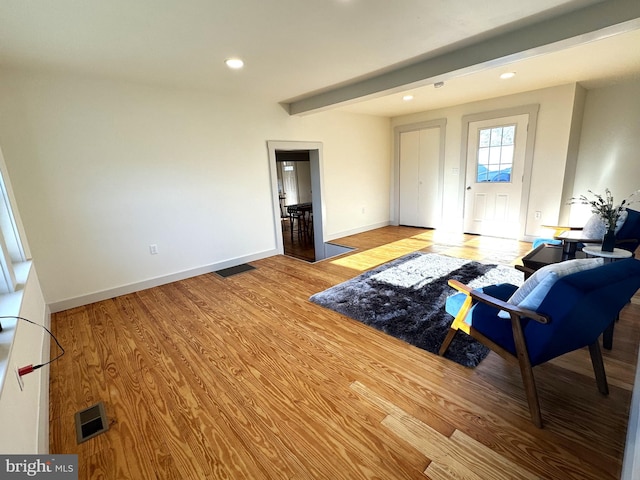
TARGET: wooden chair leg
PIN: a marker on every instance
(526, 370)
(291, 226)
(455, 325)
(598, 368)
(607, 335)
(532, 395)
(447, 341)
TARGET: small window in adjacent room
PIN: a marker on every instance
(11, 248)
(14, 269)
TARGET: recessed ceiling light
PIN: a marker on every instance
(407, 98)
(507, 75)
(234, 63)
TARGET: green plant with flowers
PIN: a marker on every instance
(604, 206)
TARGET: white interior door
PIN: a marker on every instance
(496, 151)
(420, 204)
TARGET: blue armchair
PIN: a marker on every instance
(572, 314)
(628, 237)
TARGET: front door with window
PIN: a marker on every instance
(495, 168)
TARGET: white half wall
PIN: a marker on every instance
(24, 414)
(103, 169)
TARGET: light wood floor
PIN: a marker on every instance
(245, 378)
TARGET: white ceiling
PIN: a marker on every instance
(295, 47)
(595, 64)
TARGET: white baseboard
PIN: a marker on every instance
(43, 414)
(154, 282)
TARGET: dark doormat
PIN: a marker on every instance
(227, 272)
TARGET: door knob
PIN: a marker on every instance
(469, 187)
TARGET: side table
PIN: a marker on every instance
(571, 239)
(617, 254)
(544, 255)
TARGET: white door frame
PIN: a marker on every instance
(395, 203)
(532, 111)
(317, 191)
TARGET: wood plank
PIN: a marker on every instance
(453, 455)
(301, 377)
(245, 378)
(439, 471)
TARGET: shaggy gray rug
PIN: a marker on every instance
(405, 298)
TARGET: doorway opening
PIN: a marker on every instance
(293, 169)
(297, 192)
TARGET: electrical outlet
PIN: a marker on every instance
(538, 215)
(153, 249)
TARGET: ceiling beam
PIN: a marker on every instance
(584, 25)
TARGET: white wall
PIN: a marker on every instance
(551, 150)
(609, 153)
(102, 169)
(24, 414)
(357, 168)
(303, 172)
(609, 157)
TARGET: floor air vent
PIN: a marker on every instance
(90, 422)
(227, 272)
